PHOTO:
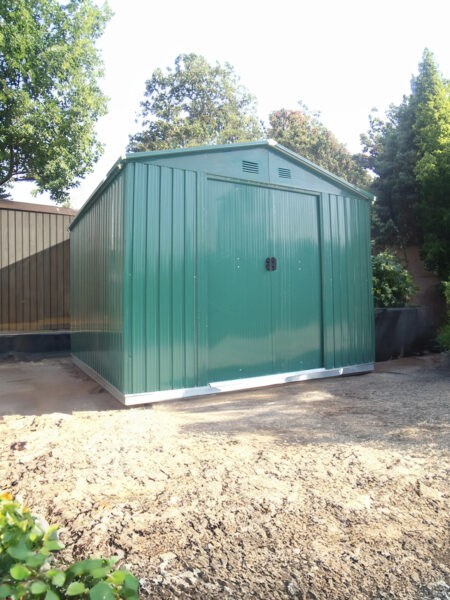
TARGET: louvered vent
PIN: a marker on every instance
(250, 167)
(285, 173)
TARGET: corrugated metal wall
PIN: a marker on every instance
(160, 302)
(34, 267)
(347, 281)
(97, 255)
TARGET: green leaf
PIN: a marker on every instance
(101, 591)
(35, 534)
(131, 583)
(19, 572)
(20, 551)
(76, 588)
(59, 579)
(129, 595)
(85, 566)
(38, 587)
(53, 545)
(35, 560)
(5, 590)
(117, 578)
(100, 572)
(50, 595)
(51, 533)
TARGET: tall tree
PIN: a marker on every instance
(409, 152)
(195, 103)
(304, 133)
(390, 152)
(432, 170)
(49, 95)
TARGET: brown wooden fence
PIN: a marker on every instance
(34, 267)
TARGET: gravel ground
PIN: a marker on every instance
(328, 489)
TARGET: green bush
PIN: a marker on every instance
(444, 333)
(27, 549)
(393, 286)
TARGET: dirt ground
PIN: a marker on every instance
(328, 489)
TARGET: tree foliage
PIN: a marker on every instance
(432, 169)
(195, 103)
(393, 285)
(409, 152)
(49, 96)
(303, 132)
(444, 332)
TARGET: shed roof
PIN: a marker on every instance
(268, 144)
(272, 144)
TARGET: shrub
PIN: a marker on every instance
(393, 286)
(27, 549)
(444, 333)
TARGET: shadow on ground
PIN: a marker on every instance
(404, 402)
(49, 386)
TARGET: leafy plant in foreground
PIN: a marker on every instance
(27, 569)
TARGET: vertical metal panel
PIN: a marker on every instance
(34, 267)
(296, 284)
(139, 258)
(97, 268)
(178, 279)
(239, 286)
(347, 288)
(165, 279)
(160, 293)
(191, 289)
(152, 219)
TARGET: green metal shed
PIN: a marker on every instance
(219, 268)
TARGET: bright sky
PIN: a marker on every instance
(340, 57)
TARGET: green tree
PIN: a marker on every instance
(409, 152)
(49, 96)
(4, 193)
(195, 103)
(390, 152)
(303, 132)
(432, 169)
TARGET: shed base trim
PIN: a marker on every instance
(219, 387)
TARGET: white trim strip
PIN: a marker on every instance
(219, 387)
(99, 379)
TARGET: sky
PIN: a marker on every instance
(341, 58)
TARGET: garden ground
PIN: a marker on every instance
(326, 489)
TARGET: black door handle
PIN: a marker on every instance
(271, 263)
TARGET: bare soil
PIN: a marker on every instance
(328, 489)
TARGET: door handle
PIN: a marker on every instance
(271, 263)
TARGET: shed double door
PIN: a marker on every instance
(264, 281)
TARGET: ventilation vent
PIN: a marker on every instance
(250, 167)
(285, 173)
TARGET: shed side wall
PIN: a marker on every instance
(97, 263)
(160, 294)
(34, 270)
(347, 281)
